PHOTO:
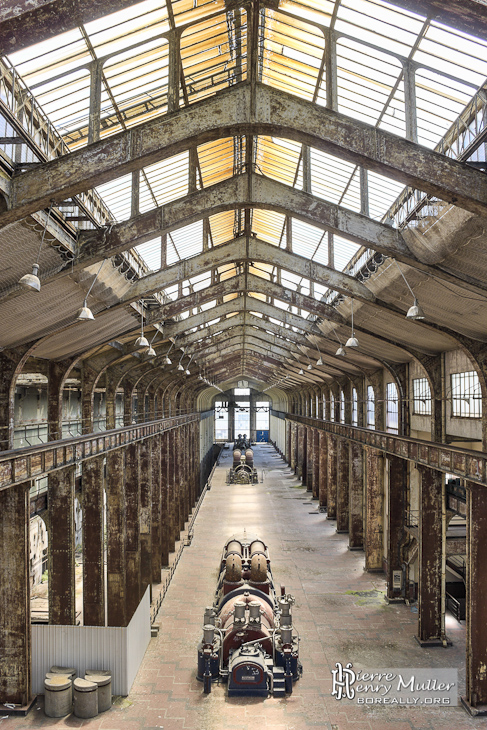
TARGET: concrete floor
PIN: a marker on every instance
(340, 614)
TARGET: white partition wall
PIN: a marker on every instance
(119, 650)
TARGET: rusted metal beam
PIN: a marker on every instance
(272, 112)
(464, 463)
(241, 250)
(34, 462)
(249, 283)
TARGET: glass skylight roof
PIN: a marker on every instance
(378, 46)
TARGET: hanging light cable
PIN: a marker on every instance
(141, 342)
(414, 312)
(32, 281)
(352, 341)
(85, 314)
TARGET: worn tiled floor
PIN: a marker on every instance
(335, 623)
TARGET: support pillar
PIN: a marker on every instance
(323, 469)
(61, 587)
(132, 545)
(156, 510)
(300, 451)
(343, 458)
(56, 372)
(398, 478)
(476, 697)
(93, 558)
(332, 478)
(165, 512)
(309, 459)
(356, 497)
(316, 464)
(288, 441)
(15, 632)
(116, 540)
(145, 514)
(432, 526)
(293, 452)
(173, 494)
(374, 496)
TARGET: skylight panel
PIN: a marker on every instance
(164, 181)
(42, 61)
(306, 238)
(186, 242)
(329, 175)
(439, 101)
(383, 191)
(117, 195)
(343, 251)
(150, 251)
(268, 225)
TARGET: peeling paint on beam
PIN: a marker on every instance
(231, 112)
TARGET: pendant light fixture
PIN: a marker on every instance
(352, 341)
(341, 352)
(141, 342)
(320, 359)
(180, 365)
(32, 281)
(85, 314)
(414, 312)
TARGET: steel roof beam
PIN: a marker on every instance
(235, 111)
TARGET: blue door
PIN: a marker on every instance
(262, 436)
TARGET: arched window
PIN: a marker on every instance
(392, 408)
(332, 407)
(354, 407)
(370, 407)
(342, 407)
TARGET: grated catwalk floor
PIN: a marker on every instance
(339, 613)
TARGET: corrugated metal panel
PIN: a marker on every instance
(119, 650)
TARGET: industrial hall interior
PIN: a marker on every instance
(243, 296)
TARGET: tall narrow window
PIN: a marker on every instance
(392, 408)
(466, 396)
(342, 407)
(332, 407)
(221, 421)
(421, 397)
(354, 407)
(370, 407)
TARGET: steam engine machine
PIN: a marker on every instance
(248, 637)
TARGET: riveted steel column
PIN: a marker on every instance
(185, 474)
(110, 400)
(181, 486)
(308, 480)
(287, 455)
(132, 547)
(15, 632)
(56, 371)
(343, 458)
(145, 514)
(293, 453)
(88, 377)
(116, 540)
(332, 478)
(315, 485)
(93, 558)
(398, 478)
(62, 601)
(476, 595)
(323, 469)
(374, 496)
(431, 529)
(156, 511)
(301, 451)
(172, 493)
(165, 510)
(356, 524)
